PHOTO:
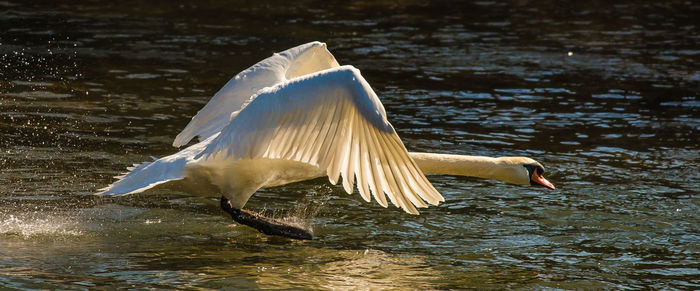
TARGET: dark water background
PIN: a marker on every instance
(604, 93)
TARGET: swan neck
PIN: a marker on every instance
(459, 165)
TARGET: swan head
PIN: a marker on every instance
(525, 171)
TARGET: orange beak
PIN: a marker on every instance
(539, 179)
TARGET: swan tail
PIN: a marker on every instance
(146, 175)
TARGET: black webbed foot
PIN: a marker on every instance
(266, 225)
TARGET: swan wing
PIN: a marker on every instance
(331, 119)
(294, 62)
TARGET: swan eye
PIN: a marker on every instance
(530, 169)
(534, 171)
(540, 171)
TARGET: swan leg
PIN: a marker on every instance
(266, 225)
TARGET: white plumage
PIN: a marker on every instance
(295, 62)
(295, 116)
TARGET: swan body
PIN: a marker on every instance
(299, 115)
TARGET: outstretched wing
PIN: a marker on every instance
(331, 119)
(292, 63)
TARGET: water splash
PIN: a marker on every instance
(34, 224)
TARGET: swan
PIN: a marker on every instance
(299, 115)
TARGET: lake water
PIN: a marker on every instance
(605, 95)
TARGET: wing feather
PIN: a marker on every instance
(285, 144)
(346, 170)
(403, 174)
(384, 171)
(331, 159)
(314, 134)
(310, 135)
(378, 170)
(335, 132)
(364, 173)
(331, 119)
(354, 159)
(429, 194)
(325, 126)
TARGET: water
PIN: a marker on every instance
(605, 95)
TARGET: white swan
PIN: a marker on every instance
(298, 115)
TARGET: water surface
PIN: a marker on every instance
(605, 95)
